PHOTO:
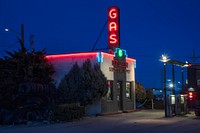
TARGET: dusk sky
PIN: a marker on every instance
(148, 29)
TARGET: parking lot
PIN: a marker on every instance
(143, 121)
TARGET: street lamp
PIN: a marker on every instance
(21, 34)
(164, 59)
(182, 73)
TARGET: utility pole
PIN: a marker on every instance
(194, 57)
(165, 91)
(22, 33)
(173, 80)
(31, 42)
(182, 76)
(20, 37)
(21, 40)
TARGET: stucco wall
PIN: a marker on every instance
(63, 64)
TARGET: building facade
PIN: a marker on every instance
(117, 68)
(194, 77)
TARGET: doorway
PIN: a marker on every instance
(119, 95)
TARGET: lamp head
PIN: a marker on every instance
(164, 58)
(7, 30)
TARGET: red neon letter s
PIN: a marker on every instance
(113, 13)
(113, 39)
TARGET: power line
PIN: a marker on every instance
(99, 35)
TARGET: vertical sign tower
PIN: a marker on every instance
(113, 28)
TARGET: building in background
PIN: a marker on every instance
(194, 77)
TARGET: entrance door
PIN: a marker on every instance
(119, 95)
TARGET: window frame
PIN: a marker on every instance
(129, 90)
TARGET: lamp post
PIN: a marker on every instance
(182, 74)
(21, 39)
(173, 80)
(164, 59)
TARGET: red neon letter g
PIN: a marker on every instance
(113, 13)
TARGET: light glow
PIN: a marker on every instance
(99, 57)
(120, 53)
(7, 30)
(171, 85)
(164, 58)
(122, 50)
(83, 55)
(190, 95)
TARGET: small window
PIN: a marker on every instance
(128, 90)
(109, 95)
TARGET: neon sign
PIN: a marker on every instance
(113, 27)
(120, 53)
(119, 63)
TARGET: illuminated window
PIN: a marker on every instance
(109, 94)
(128, 90)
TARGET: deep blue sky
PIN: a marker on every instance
(149, 28)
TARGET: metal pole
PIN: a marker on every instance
(165, 91)
(173, 80)
(182, 74)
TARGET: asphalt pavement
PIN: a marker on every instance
(144, 121)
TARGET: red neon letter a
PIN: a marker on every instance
(112, 26)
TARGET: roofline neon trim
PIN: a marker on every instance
(84, 54)
(69, 55)
(130, 59)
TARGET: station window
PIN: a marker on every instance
(128, 90)
(109, 95)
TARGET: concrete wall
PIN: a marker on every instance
(64, 62)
